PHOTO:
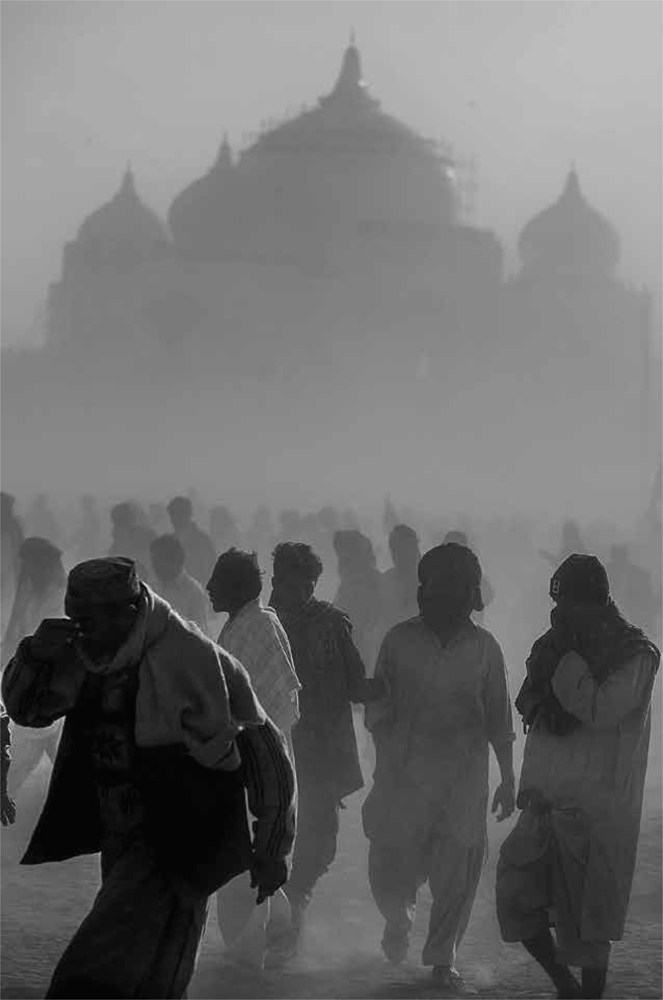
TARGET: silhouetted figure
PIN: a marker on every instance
(12, 536)
(158, 720)
(586, 706)
(571, 542)
(175, 585)
(87, 541)
(40, 521)
(158, 520)
(400, 582)
(39, 594)
(358, 593)
(332, 676)
(223, 529)
(633, 590)
(445, 701)
(198, 549)
(130, 537)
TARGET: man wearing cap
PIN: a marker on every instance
(162, 733)
(585, 704)
(446, 701)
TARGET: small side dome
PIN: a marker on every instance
(569, 236)
(124, 223)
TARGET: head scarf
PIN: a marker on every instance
(581, 579)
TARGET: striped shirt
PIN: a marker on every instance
(256, 637)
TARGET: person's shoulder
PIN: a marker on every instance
(488, 643)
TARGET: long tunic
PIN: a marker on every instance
(597, 770)
(442, 708)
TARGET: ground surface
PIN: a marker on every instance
(42, 906)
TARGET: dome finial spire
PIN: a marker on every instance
(128, 186)
(349, 79)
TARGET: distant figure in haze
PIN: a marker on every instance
(86, 543)
(12, 536)
(198, 549)
(257, 638)
(157, 518)
(359, 590)
(445, 703)
(41, 521)
(633, 590)
(586, 706)
(223, 529)
(571, 542)
(399, 583)
(158, 721)
(40, 594)
(333, 677)
(130, 537)
(487, 592)
(175, 585)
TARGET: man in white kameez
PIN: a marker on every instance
(445, 702)
(253, 934)
(569, 860)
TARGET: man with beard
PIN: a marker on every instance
(445, 702)
(585, 704)
(333, 677)
(162, 732)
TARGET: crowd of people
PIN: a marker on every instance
(153, 672)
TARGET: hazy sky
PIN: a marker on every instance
(526, 87)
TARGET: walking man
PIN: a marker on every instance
(569, 860)
(445, 703)
(162, 733)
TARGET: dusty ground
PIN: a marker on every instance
(42, 906)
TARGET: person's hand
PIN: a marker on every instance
(8, 812)
(53, 638)
(267, 876)
(504, 799)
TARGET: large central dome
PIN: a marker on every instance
(339, 170)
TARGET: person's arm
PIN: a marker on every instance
(42, 681)
(605, 705)
(380, 710)
(272, 797)
(499, 727)
(8, 809)
(361, 689)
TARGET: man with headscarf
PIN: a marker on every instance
(162, 733)
(585, 704)
(333, 677)
(445, 703)
(257, 638)
(39, 594)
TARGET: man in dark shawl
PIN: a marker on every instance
(163, 740)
